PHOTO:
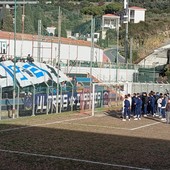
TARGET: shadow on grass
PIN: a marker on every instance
(114, 113)
(130, 152)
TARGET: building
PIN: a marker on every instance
(96, 37)
(136, 14)
(109, 21)
(51, 30)
(70, 49)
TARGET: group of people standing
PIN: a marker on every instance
(138, 105)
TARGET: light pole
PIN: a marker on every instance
(117, 47)
(117, 28)
(23, 22)
(92, 54)
(39, 41)
(14, 83)
(92, 47)
(59, 44)
(126, 7)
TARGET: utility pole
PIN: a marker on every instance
(39, 41)
(23, 22)
(92, 46)
(23, 17)
(131, 49)
(126, 17)
(117, 47)
(58, 61)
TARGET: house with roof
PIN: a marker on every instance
(109, 21)
(112, 21)
(51, 30)
(136, 14)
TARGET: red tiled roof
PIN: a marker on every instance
(110, 15)
(137, 8)
(31, 37)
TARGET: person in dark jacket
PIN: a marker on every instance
(8, 105)
(126, 108)
(133, 109)
(152, 104)
(145, 104)
(138, 108)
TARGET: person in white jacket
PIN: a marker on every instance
(159, 101)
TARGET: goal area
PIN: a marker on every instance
(107, 96)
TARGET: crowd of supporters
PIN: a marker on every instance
(29, 58)
(143, 105)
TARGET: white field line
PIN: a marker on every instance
(99, 126)
(111, 127)
(72, 159)
(44, 124)
(140, 127)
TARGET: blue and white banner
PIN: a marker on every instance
(5, 79)
(28, 73)
(54, 73)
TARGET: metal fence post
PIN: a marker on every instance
(33, 100)
(52, 98)
(61, 98)
(72, 96)
(18, 102)
(47, 90)
(0, 102)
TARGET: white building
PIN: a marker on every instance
(96, 37)
(109, 21)
(136, 14)
(47, 48)
(51, 30)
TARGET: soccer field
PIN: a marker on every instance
(74, 141)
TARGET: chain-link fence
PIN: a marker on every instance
(147, 87)
(38, 100)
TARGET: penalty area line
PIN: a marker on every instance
(72, 159)
(140, 127)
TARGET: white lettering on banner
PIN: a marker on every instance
(3, 47)
(65, 101)
(97, 98)
(41, 103)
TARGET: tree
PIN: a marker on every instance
(7, 21)
(29, 21)
(113, 8)
(111, 36)
(84, 4)
(38, 15)
(29, 27)
(93, 10)
(19, 19)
